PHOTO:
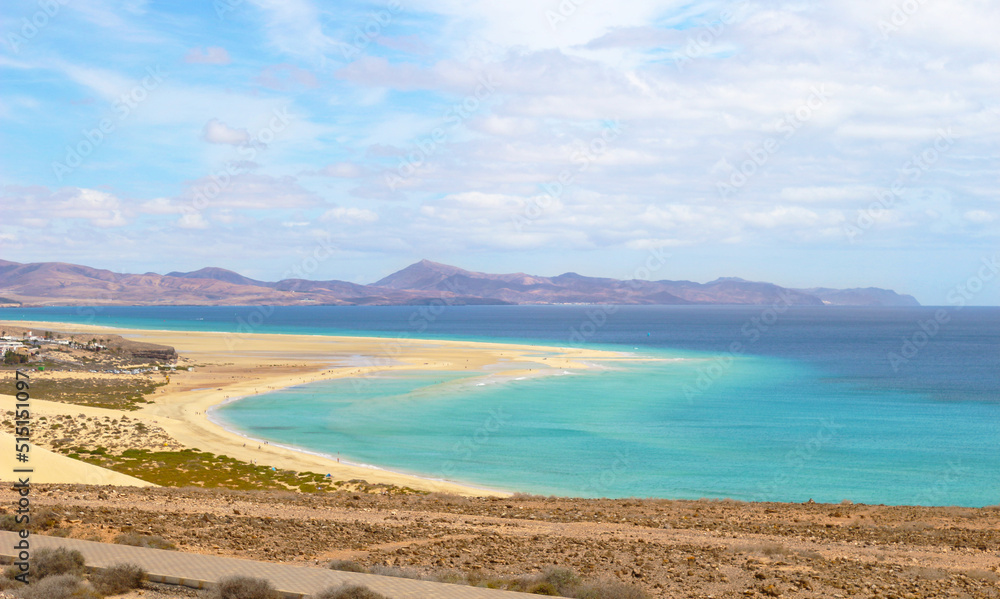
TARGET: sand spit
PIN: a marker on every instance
(223, 367)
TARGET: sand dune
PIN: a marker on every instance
(49, 467)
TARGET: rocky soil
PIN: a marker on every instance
(696, 549)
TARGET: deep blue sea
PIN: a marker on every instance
(875, 405)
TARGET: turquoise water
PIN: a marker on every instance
(810, 407)
(769, 430)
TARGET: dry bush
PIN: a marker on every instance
(346, 565)
(983, 576)
(526, 497)
(923, 573)
(53, 562)
(137, 540)
(769, 549)
(396, 572)
(61, 586)
(610, 589)
(552, 581)
(244, 587)
(9, 522)
(118, 579)
(348, 592)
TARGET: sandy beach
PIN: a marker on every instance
(226, 366)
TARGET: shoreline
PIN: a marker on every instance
(227, 367)
(326, 456)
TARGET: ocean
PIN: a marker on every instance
(874, 405)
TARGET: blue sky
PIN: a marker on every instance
(846, 143)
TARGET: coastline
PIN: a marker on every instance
(227, 367)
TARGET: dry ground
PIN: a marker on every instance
(671, 549)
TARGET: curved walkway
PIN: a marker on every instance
(202, 571)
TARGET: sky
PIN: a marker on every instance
(840, 143)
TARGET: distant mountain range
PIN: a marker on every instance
(61, 284)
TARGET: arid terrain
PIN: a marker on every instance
(669, 548)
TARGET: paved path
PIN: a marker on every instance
(202, 571)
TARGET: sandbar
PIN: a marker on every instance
(228, 366)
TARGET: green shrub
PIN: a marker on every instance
(348, 592)
(118, 579)
(346, 565)
(62, 586)
(53, 562)
(244, 587)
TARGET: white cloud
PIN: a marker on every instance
(246, 191)
(217, 132)
(211, 55)
(347, 170)
(979, 216)
(293, 27)
(192, 220)
(30, 206)
(349, 215)
(100, 208)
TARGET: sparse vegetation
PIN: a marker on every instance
(244, 587)
(118, 579)
(138, 540)
(119, 392)
(553, 582)
(348, 592)
(193, 468)
(64, 586)
(345, 565)
(53, 562)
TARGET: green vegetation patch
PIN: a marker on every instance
(194, 468)
(125, 393)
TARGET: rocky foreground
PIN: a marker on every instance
(671, 549)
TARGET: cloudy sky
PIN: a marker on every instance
(839, 143)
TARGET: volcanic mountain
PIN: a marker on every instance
(58, 283)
